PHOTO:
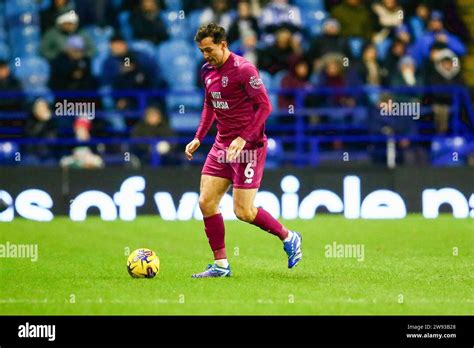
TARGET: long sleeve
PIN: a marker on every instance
(263, 108)
(207, 118)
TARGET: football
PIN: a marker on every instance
(143, 263)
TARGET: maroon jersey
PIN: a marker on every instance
(234, 93)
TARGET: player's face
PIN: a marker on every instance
(213, 53)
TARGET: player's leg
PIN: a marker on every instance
(245, 210)
(246, 180)
(212, 190)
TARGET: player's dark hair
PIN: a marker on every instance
(217, 33)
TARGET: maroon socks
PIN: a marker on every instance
(268, 223)
(215, 231)
(214, 226)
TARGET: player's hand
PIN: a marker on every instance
(191, 147)
(235, 148)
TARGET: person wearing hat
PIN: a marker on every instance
(330, 41)
(436, 34)
(444, 70)
(54, 40)
(71, 69)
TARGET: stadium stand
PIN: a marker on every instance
(418, 59)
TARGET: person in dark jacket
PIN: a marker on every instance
(9, 83)
(147, 24)
(152, 125)
(41, 125)
(244, 23)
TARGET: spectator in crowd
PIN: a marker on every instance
(370, 70)
(119, 56)
(131, 76)
(57, 8)
(419, 21)
(355, 19)
(40, 124)
(397, 50)
(53, 42)
(82, 156)
(244, 23)
(71, 70)
(332, 74)
(218, 13)
(389, 15)
(408, 153)
(248, 47)
(146, 23)
(9, 83)
(406, 74)
(276, 57)
(330, 41)
(297, 77)
(152, 126)
(445, 71)
(275, 16)
(436, 34)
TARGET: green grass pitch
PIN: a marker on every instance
(413, 266)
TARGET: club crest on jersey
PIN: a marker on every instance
(208, 81)
(225, 81)
(255, 82)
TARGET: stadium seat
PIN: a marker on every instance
(15, 7)
(276, 79)
(310, 5)
(25, 40)
(188, 122)
(172, 49)
(267, 81)
(143, 47)
(100, 37)
(175, 24)
(4, 51)
(125, 28)
(448, 151)
(33, 73)
(193, 23)
(355, 45)
(313, 21)
(173, 5)
(184, 102)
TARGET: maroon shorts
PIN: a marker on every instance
(245, 172)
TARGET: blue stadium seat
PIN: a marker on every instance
(176, 24)
(193, 23)
(100, 36)
(143, 47)
(4, 51)
(167, 50)
(146, 57)
(125, 27)
(174, 5)
(97, 62)
(25, 40)
(188, 122)
(267, 81)
(15, 7)
(355, 45)
(448, 151)
(310, 5)
(276, 80)
(33, 73)
(178, 101)
(313, 21)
